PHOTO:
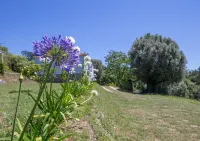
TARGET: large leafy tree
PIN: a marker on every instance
(29, 55)
(3, 48)
(157, 60)
(117, 68)
(15, 62)
(99, 66)
(194, 76)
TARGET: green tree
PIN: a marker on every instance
(3, 48)
(99, 66)
(157, 60)
(194, 76)
(15, 62)
(117, 68)
(29, 55)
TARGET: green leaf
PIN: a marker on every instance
(19, 125)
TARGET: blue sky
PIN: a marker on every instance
(101, 25)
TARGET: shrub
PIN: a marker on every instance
(179, 89)
(185, 88)
(15, 62)
(138, 86)
(31, 70)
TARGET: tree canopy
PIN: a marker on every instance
(156, 59)
(117, 68)
(3, 48)
(29, 55)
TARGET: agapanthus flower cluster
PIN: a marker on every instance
(87, 63)
(94, 92)
(88, 67)
(61, 49)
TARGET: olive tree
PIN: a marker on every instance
(157, 60)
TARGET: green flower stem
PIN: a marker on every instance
(13, 129)
(87, 99)
(36, 103)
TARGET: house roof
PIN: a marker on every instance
(83, 54)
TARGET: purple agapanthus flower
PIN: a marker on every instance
(62, 47)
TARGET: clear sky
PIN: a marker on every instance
(101, 25)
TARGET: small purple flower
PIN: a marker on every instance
(62, 49)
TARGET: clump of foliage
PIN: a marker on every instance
(194, 76)
(14, 62)
(29, 55)
(3, 48)
(156, 60)
(117, 70)
(31, 70)
(185, 88)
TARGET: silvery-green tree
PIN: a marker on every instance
(157, 60)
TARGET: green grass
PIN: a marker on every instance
(8, 99)
(119, 116)
(124, 116)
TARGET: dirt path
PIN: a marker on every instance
(107, 89)
(114, 88)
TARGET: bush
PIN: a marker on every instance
(31, 70)
(179, 89)
(138, 86)
(185, 88)
(106, 79)
(15, 62)
(126, 85)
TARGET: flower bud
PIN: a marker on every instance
(94, 92)
(21, 77)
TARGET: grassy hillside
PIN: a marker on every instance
(124, 116)
(118, 115)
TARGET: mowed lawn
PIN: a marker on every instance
(123, 116)
(119, 116)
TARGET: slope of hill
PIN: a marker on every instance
(118, 115)
(124, 116)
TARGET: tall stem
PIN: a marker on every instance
(36, 103)
(87, 99)
(13, 129)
